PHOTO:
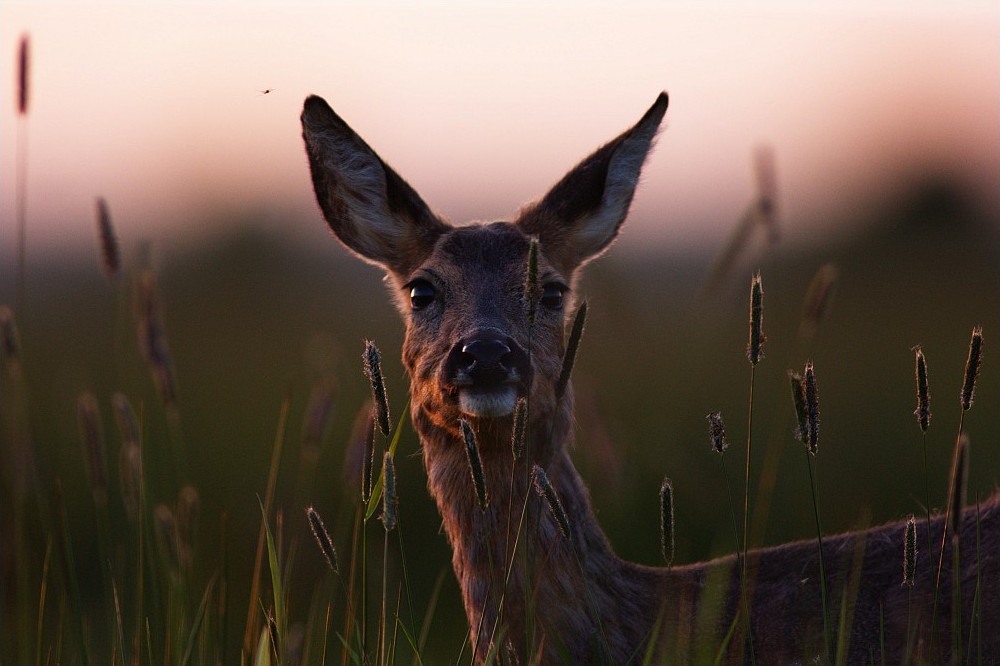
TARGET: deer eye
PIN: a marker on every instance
(552, 296)
(421, 294)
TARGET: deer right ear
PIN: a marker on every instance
(580, 216)
(373, 211)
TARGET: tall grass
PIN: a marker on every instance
(155, 600)
(144, 573)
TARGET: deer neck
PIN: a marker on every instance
(570, 588)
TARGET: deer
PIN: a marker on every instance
(538, 596)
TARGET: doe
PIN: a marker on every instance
(471, 353)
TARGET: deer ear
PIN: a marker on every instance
(368, 206)
(581, 214)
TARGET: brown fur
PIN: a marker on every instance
(573, 600)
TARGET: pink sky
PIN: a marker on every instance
(156, 106)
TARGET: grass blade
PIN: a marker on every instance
(199, 619)
(276, 585)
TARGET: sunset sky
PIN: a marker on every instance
(481, 106)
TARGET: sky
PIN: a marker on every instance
(158, 107)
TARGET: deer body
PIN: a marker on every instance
(471, 352)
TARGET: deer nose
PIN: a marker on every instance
(483, 351)
(487, 359)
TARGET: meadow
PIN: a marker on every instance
(264, 342)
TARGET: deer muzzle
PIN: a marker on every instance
(488, 370)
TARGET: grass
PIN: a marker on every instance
(142, 573)
(152, 608)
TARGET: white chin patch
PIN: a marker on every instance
(499, 402)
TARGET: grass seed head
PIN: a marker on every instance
(129, 455)
(165, 530)
(667, 521)
(818, 299)
(186, 520)
(717, 432)
(389, 499)
(10, 340)
(92, 437)
(317, 416)
(130, 480)
(909, 552)
(532, 287)
(544, 488)
(755, 344)
(520, 430)
(23, 75)
(110, 256)
(765, 174)
(810, 395)
(373, 368)
(153, 338)
(972, 368)
(923, 410)
(475, 463)
(323, 539)
(125, 419)
(799, 403)
(569, 358)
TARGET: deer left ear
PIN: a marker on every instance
(370, 208)
(580, 216)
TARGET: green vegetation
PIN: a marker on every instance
(247, 422)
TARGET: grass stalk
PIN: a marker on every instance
(277, 589)
(69, 573)
(417, 649)
(746, 483)
(909, 579)
(966, 398)
(719, 443)
(546, 491)
(923, 416)
(508, 570)
(272, 478)
(531, 296)
(383, 630)
(389, 522)
(740, 558)
(956, 601)
(813, 487)
(42, 598)
(977, 611)
(364, 592)
(425, 627)
(744, 582)
(958, 502)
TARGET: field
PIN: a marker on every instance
(256, 324)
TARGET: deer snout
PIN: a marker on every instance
(489, 370)
(487, 361)
(480, 354)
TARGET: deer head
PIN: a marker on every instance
(459, 289)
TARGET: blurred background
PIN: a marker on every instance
(874, 130)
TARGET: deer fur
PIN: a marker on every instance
(469, 348)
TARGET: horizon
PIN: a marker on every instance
(168, 121)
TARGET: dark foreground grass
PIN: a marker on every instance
(134, 539)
